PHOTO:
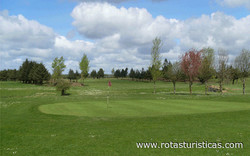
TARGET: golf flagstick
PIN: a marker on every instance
(109, 85)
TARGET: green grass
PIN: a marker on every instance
(36, 120)
(142, 108)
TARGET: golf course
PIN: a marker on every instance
(96, 119)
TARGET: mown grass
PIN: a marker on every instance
(81, 124)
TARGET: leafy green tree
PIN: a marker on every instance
(62, 86)
(100, 73)
(234, 73)
(84, 66)
(243, 64)
(206, 70)
(156, 60)
(58, 67)
(222, 67)
(173, 73)
(93, 74)
(71, 75)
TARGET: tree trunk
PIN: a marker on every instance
(174, 87)
(244, 85)
(62, 92)
(190, 87)
(220, 87)
(233, 81)
(205, 87)
(154, 87)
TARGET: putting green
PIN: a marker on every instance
(141, 108)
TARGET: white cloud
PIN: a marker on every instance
(19, 32)
(121, 28)
(235, 3)
(218, 31)
(21, 38)
(72, 49)
(130, 27)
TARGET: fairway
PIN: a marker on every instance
(142, 108)
(125, 78)
(37, 120)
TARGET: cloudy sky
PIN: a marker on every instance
(118, 33)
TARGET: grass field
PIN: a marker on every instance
(36, 120)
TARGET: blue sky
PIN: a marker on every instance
(98, 30)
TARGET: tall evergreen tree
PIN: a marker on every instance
(117, 73)
(100, 73)
(149, 75)
(23, 71)
(41, 74)
(132, 73)
(166, 65)
(77, 75)
(93, 74)
(71, 74)
(32, 77)
(4, 75)
(13, 75)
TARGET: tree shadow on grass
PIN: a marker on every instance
(66, 94)
(185, 94)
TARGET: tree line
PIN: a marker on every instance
(192, 66)
(201, 65)
(29, 72)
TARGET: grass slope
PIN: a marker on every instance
(80, 124)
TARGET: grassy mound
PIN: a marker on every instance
(142, 108)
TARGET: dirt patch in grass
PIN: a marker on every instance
(77, 84)
(214, 88)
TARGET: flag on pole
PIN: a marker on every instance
(108, 94)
